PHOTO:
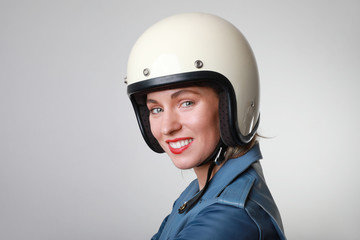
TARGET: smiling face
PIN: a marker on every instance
(185, 122)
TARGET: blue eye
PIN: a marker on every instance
(187, 104)
(155, 110)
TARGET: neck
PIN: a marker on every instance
(201, 173)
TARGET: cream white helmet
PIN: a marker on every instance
(197, 48)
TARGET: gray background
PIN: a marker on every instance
(73, 164)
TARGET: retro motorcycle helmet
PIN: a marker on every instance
(197, 49)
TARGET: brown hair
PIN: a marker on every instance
(238, 151)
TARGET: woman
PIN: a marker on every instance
(193, 82)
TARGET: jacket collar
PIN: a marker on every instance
(231, 169)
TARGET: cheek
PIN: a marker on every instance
(206, 122)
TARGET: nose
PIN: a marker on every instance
(171, 123)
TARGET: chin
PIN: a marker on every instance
(183, 164)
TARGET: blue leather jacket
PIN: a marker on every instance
(236, 205)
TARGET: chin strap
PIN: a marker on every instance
(220, 156)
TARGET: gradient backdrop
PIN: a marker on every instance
(73, 164)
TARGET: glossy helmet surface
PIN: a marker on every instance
(197, 48)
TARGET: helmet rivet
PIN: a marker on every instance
(252, 104)
(125, 80)
(199, 64)
(146, 72)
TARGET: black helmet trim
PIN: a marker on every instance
(229, 129)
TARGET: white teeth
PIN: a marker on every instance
(180, 143)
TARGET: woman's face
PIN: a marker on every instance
(185, 122)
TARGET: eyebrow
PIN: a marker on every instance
(151, 101)
(183, 91)
(175, 95)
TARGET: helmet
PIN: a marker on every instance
(197, 48)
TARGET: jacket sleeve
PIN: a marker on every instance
(220, 221)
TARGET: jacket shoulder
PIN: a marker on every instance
(250, 192)
(237, 192)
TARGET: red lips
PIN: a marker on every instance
(181, 149)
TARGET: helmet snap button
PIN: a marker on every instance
(146, 72)
(199, 64)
